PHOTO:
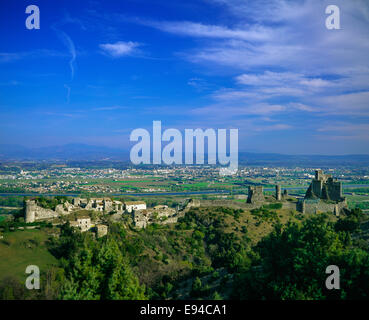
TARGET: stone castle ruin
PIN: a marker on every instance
(99, 204)
(34, 212)
(162, 214)
(278, 193)
(324, 187)
(323, 195)
(255, 195)
(141, 215)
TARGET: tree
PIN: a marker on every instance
(196, 287)
(216, 296)
(101, 272)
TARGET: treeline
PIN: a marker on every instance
(11, 201)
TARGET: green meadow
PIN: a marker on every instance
(22, 248)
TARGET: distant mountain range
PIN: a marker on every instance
(81, 152)
(65, 152)
(275, 159)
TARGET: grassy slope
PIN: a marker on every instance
(22, 248)
(175, 244)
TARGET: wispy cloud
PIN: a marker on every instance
(120, 48)
(69, 44)
(10, 83)
(196, 29)
(33, 54)
(229, 111)
(199, 84)
(280, 79)
(63, 114)
(72, 51)
(345, 127)
(356, 103)
(110, 108)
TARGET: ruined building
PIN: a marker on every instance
(130, 206)
(141, 215)
(162, 214)
(278, 193)
(99, 204)
(159, 214)
(324, 187)
(323, 195)
(101, 230)
(34, 212)
(255, 194)
(83, 223)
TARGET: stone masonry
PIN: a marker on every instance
(323, 195)
(278, 193)
(255, 194)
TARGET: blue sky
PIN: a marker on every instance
(96, 70)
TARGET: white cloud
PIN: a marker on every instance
(110, 108)
(34, 54)
(194, 29)
(234, 111)
(346, 104)
(274, 127)
(302, 107)
(198, 83)
(292, 36)
(120, 48)
(284, 62)
(269, 78)
(345, 127)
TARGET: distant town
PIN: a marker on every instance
(61, 178)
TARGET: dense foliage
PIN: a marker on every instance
(95, 269)
(209, 254)
(293, 260)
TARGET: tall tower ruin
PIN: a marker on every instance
(278, 193)
(30, 211)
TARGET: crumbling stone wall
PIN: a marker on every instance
(160, 215)
(312, 206)
(35, 213)
(255, 194)
(192, 203)
(101, 230)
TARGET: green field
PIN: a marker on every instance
(358, 201)
(20, 249)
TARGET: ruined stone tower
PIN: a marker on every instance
(255, 194)
(323, 186)
(278, 193)
(34, 212)
(323, 195)
(30, 211)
